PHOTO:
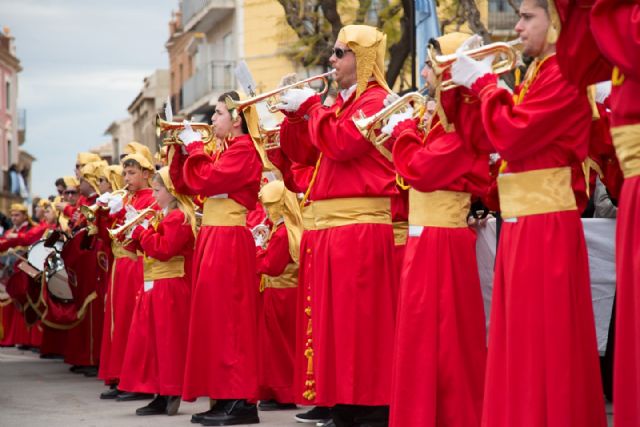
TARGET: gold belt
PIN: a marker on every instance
(626, 139)
(536, 192)
(446, 209)
(223, 212)
(400, 232)
(288, 278)
(120, 252)
(308, 222)
(156, 270)
(351, 210)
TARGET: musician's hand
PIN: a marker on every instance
(115, 204)
(397, 118)
(473, 42)
(603, 90)
(130, 213)
(391, 98)
(292, 99)
(288, 79)
(61, 205)
(188, 135)
(466, 70)
(104, 198)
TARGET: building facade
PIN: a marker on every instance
(147, 104)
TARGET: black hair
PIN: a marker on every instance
(236, 97)
(131, 163)
(60, 182)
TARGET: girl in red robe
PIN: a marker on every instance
(155, 357)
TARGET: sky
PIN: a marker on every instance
(83, 63)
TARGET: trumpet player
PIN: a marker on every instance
(222, 350)
(155, 357)
(353, 280)
(440, 350)
(127, 275)
(542, 364)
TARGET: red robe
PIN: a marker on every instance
(81, 262)
(155, 357)
(125, 282)
(541, 368)
(277, 323)
(616, 26)
(353, 278)
(440, 348)
(222, 349)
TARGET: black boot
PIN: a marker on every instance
(274, 405)
(157, 406)
(130, 397)
(236, 412)
(112, 393)
(215, 408)
(173, 404)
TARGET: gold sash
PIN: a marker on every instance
(120, 252)
(223, 212)
(446, 209)
(626, 139)
(288, 278)
(156, 270)
(400, 232)
(351, 210)
(536, 192)
(308, 223)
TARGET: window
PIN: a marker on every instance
(8, 95)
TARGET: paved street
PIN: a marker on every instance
(35, 392)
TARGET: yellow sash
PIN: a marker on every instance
(446, 209)
(626, 139)
(156, 270)
(308, 222)
(288, 278)
(120, 252)
(223, 212)
(351, 210)
(400, 232)
(536, 192)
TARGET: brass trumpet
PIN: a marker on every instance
(368, 125)
(173, 129)
(89, 212)
(441, 63)
(121, 231)
(271, 97)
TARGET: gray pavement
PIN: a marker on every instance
(36, 392)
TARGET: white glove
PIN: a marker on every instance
(188, 135)
(395, 119)
(115, 203)
(473, 42)
(603, 90)
(292, 99)
(391, 98)
(145, 224)
(466, 70)
(104, 198)
(130, 213)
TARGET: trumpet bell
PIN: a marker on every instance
(173, 129)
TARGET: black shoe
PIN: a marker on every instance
(157, 406)
(236, 412)
(329, 423)
(112, 393)
(319, 414)
(130, 397)
(91, 372)
(274, 405)
(173, 404)
(217, 408)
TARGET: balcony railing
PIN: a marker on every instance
(216, 76)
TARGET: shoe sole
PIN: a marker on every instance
(308, 421)
(255, 420)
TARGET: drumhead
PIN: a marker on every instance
(58, 286)
(38, 254)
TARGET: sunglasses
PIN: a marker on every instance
(339, 52)
(69, 192)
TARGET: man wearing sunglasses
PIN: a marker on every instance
(351, 304)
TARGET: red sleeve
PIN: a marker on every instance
(433, 166)
(69, 210)
(28, 238)
(616, 27)
(336, 136)
(295, 140)
(175, 170)
(518, 131)
(170, 239)
(274, 259)
(207, 176)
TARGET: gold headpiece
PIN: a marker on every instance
(87, 157)
(185, 204)
(140, 153)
